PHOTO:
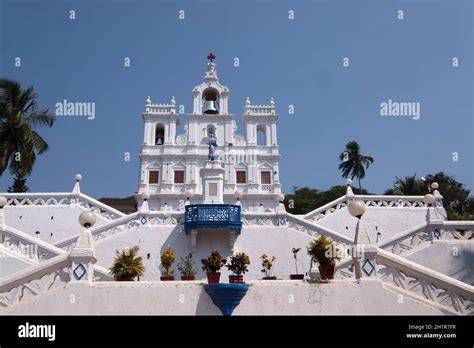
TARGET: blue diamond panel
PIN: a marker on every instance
(80, 271)
(143, 220)
(368, 267)
(437, 234)
(282, 221)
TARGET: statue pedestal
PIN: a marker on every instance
(213, 182)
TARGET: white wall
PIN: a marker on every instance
(64, 222)
(389, 221)
(263, 297)
(254, 241)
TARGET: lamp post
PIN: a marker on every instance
(357, 209)
(77, 187)
(83, 255)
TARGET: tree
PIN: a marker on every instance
(19, 116)
(354, 163)
(127, 266)
(456, 198)
(409, 186)
(19, 184)
(305, 199)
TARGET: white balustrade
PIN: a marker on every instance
(62, 199)
(423, 282)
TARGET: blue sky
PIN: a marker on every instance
(297, 61)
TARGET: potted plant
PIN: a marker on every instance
(267, 264)
(127, 266)
(186, 268)
(167, 260)
(238, 266)
(325, 252)
(212, 265)
(296, 276)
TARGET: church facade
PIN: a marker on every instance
(175, 167)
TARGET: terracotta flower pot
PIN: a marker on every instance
(296, 276)
(213, 278)
(239, 279)
(166, 278)
(270, 278)
(326, 271)
(183, 277)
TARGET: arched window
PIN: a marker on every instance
(211, 130)
(159, 134)
(261, 135)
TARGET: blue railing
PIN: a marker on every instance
(212, 216)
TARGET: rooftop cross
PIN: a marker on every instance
(211, 57)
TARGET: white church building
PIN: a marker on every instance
(215, 188)
(178, 168)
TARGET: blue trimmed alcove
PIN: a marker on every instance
(226, 296)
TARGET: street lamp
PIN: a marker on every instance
(429, 199)
(357, 209)
(87, 219)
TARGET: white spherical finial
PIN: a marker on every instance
(145, 196)
(348, 182)
(272, 101)
(247, 101)
(357, 208)
(189, 194)
(280, 197)
(434, 185)
(238, 194)
(3, 201)
(78, 177)
(173, 101)
(148, 100)
(87, 219)
(429, 199)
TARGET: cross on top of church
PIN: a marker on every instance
(211, 57)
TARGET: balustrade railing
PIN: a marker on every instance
(33, 281)
(62, 199)
(212, 215)
(23, 245)
(372, 201)
(305, 226)
(454, 295)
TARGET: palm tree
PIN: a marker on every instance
(354, 163)
(127, 266)
(19, 184)
(19, 115)
(409, 186)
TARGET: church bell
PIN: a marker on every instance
(210, 107)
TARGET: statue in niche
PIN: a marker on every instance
(212, 148)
